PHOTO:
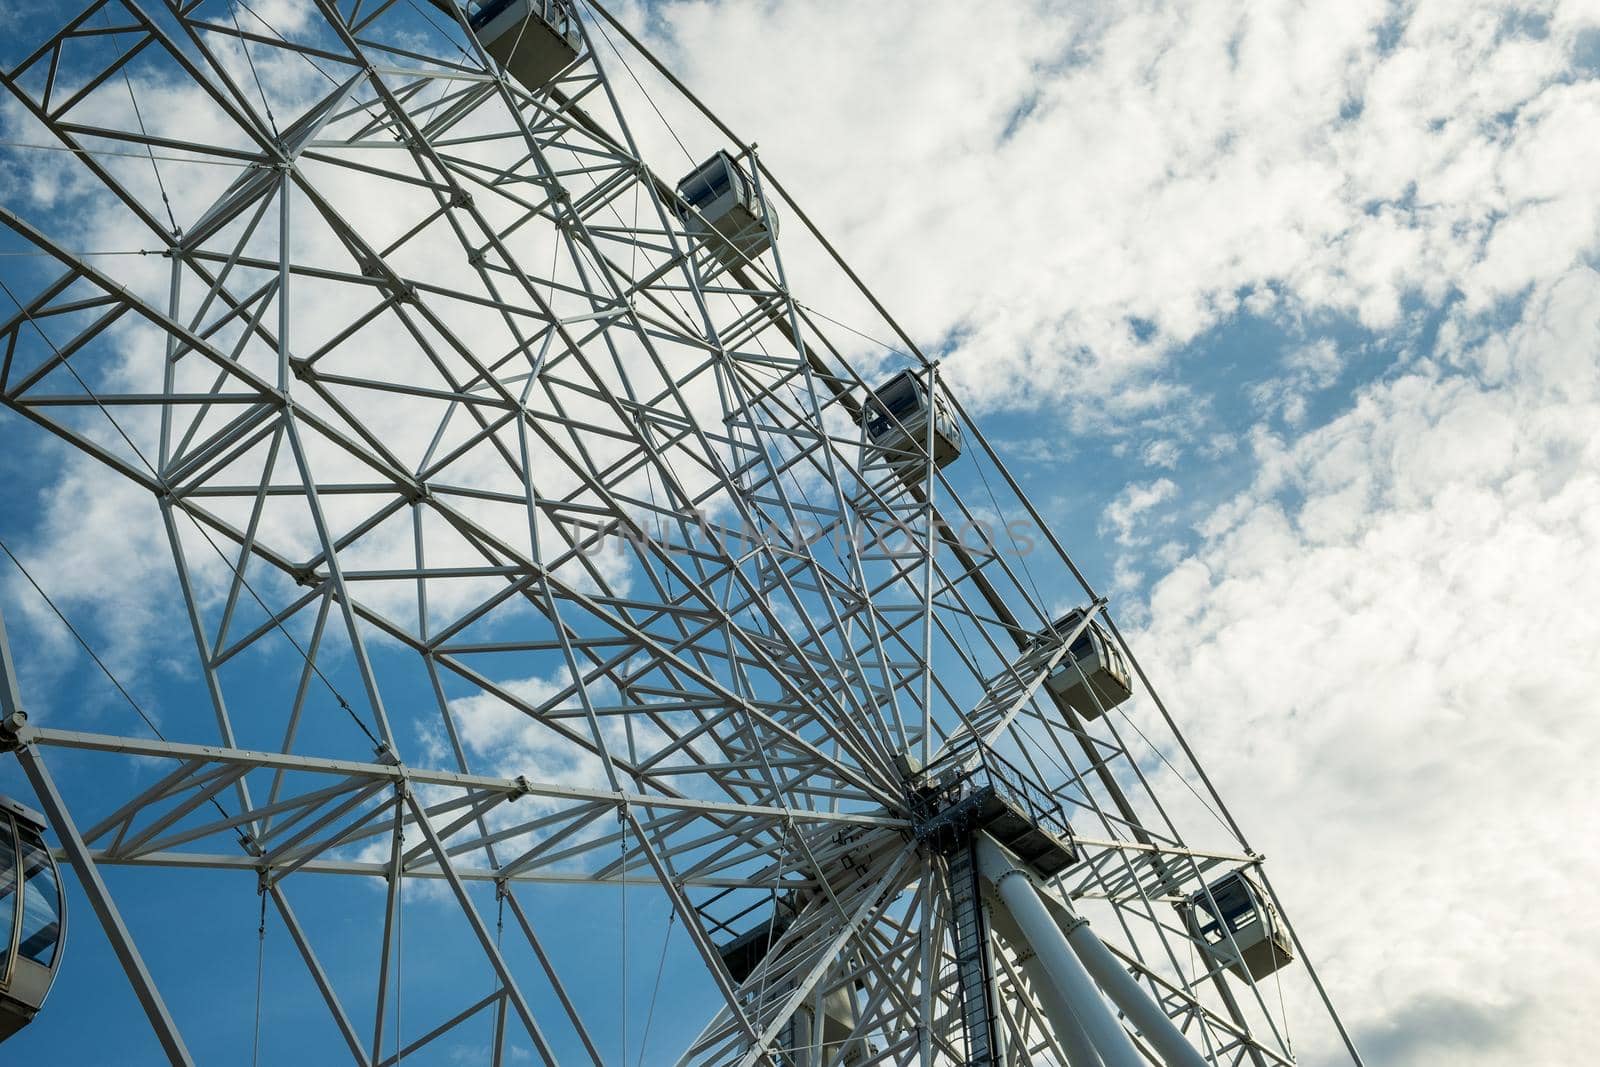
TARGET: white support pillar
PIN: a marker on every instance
(1124, 991)
(803, 1036)
(1061, 966)
(1097, 961)
(1068, 1031)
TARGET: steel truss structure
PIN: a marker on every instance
(437, 372)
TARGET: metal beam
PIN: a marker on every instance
(105, 909)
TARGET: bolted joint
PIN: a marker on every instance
(1068, 929)
(10, 727)
(460, 198)
(1014, 872)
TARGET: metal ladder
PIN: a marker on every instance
(972, 958)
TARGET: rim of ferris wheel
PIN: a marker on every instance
(1237, 923)
(897, 422)
(1093, 676)
(722, 207)
(534, 40)
(33, 917)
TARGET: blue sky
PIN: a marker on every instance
(1286, 317)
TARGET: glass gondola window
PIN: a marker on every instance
(41, 903)
(554, 13)
(32, 916)
(707, 183)
(901, 397)
(482, 13)
(8, 893)
(1230, 905)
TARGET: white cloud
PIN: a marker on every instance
(1387, 659)
(1127, 513)
(99, 547)
(1164, 453)
(508, 742)
(1305, 370)
(1080, 170)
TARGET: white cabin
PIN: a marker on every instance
(897, 419)
(1241, 930)
(534, 40)
(1092, 676)
(720, 206)
(32, 916)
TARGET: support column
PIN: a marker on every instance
(1065, 973)
(1096, 961)
(1070, 1034)
(803, 1036)
(1124, 991)
(1068, 1031)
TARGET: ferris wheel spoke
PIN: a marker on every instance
(619, 624)
(803, 954)
(889, 971)
(481, 932)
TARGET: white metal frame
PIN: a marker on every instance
(747, 603)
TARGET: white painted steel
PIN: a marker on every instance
(603, 440)
(1064, 970)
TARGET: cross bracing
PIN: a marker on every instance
(425, 365)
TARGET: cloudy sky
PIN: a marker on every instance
(1288, 316)
(1290, 313)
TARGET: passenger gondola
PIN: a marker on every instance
(32, 916)
(534, 40)
(1235, 919)
(1092, 676)
(719, 204)
(897, 420)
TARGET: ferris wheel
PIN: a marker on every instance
(543, 554)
